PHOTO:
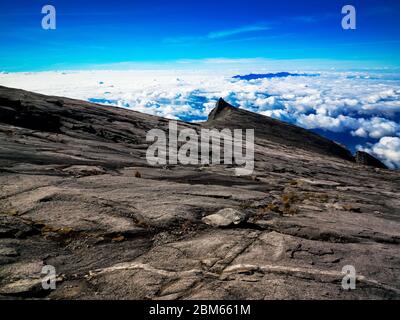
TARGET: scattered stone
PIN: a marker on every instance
(8, 252)
(82, 171)
(138, 174)
(118, 239)
(22, 286)
(352, 207)
(225, 218)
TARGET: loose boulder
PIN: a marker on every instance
(225, 218)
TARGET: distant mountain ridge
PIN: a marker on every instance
(256, 76)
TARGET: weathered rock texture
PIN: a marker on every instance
(366, 159)
(77, 193)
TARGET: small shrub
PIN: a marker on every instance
(118, 239)
(246, 205)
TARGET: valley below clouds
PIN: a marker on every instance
(358, 109)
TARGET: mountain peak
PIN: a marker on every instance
(220, 106)
(225, 115)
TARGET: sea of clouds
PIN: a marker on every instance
(358, 109)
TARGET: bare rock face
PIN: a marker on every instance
(77, 193)
(225, 115)
(366, 159)
(84, 170)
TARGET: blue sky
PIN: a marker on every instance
(94, 33)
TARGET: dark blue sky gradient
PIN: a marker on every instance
(92, 33)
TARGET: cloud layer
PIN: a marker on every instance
(362, 110)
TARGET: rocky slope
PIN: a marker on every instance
(76, 192)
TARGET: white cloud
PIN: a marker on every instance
(359, 106)
(377, 127)
(231, 32)
(360, 132)
(215, 35)
(315, 121)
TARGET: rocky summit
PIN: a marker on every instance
(77, 194)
